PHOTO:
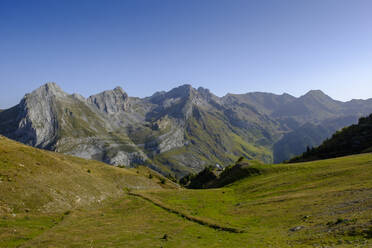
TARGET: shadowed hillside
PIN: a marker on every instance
(213, 177)
(350, 140)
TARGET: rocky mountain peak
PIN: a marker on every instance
(185, 90)
(316, 94)
(51, 87)
(119, 90)
(110, 101)
(34, 120)
(78, 96)
(200, 96)
(47, 90)
(185, 87)
(204, 91)
(207, 95)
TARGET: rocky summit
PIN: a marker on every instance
(179, 131)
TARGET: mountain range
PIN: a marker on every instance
(179, 131)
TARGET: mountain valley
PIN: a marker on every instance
(48, 199)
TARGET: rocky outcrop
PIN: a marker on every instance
(171, 140)
(34, 119)
(122, 158)
(110, 101)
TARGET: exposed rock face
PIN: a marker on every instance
(178, 131)
(111, 101)
(122, 158)
(35, 122)
(171, 140)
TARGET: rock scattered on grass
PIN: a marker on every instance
(306, 217)
(296, 228)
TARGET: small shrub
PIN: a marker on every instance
(368, 233)
(172, 178)
(240, 159)
(88, 170)
(150, 176)
(162, 180)
(339, 221)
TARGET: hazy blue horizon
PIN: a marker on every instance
(226, 46)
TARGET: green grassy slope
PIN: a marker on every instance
(42, 181)
(38, 188)
(328, 201)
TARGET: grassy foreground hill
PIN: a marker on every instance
(38, 188)
(34, 180)
(316, 204)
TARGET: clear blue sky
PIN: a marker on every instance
(224, 45)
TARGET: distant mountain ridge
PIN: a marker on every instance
(179, 131)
